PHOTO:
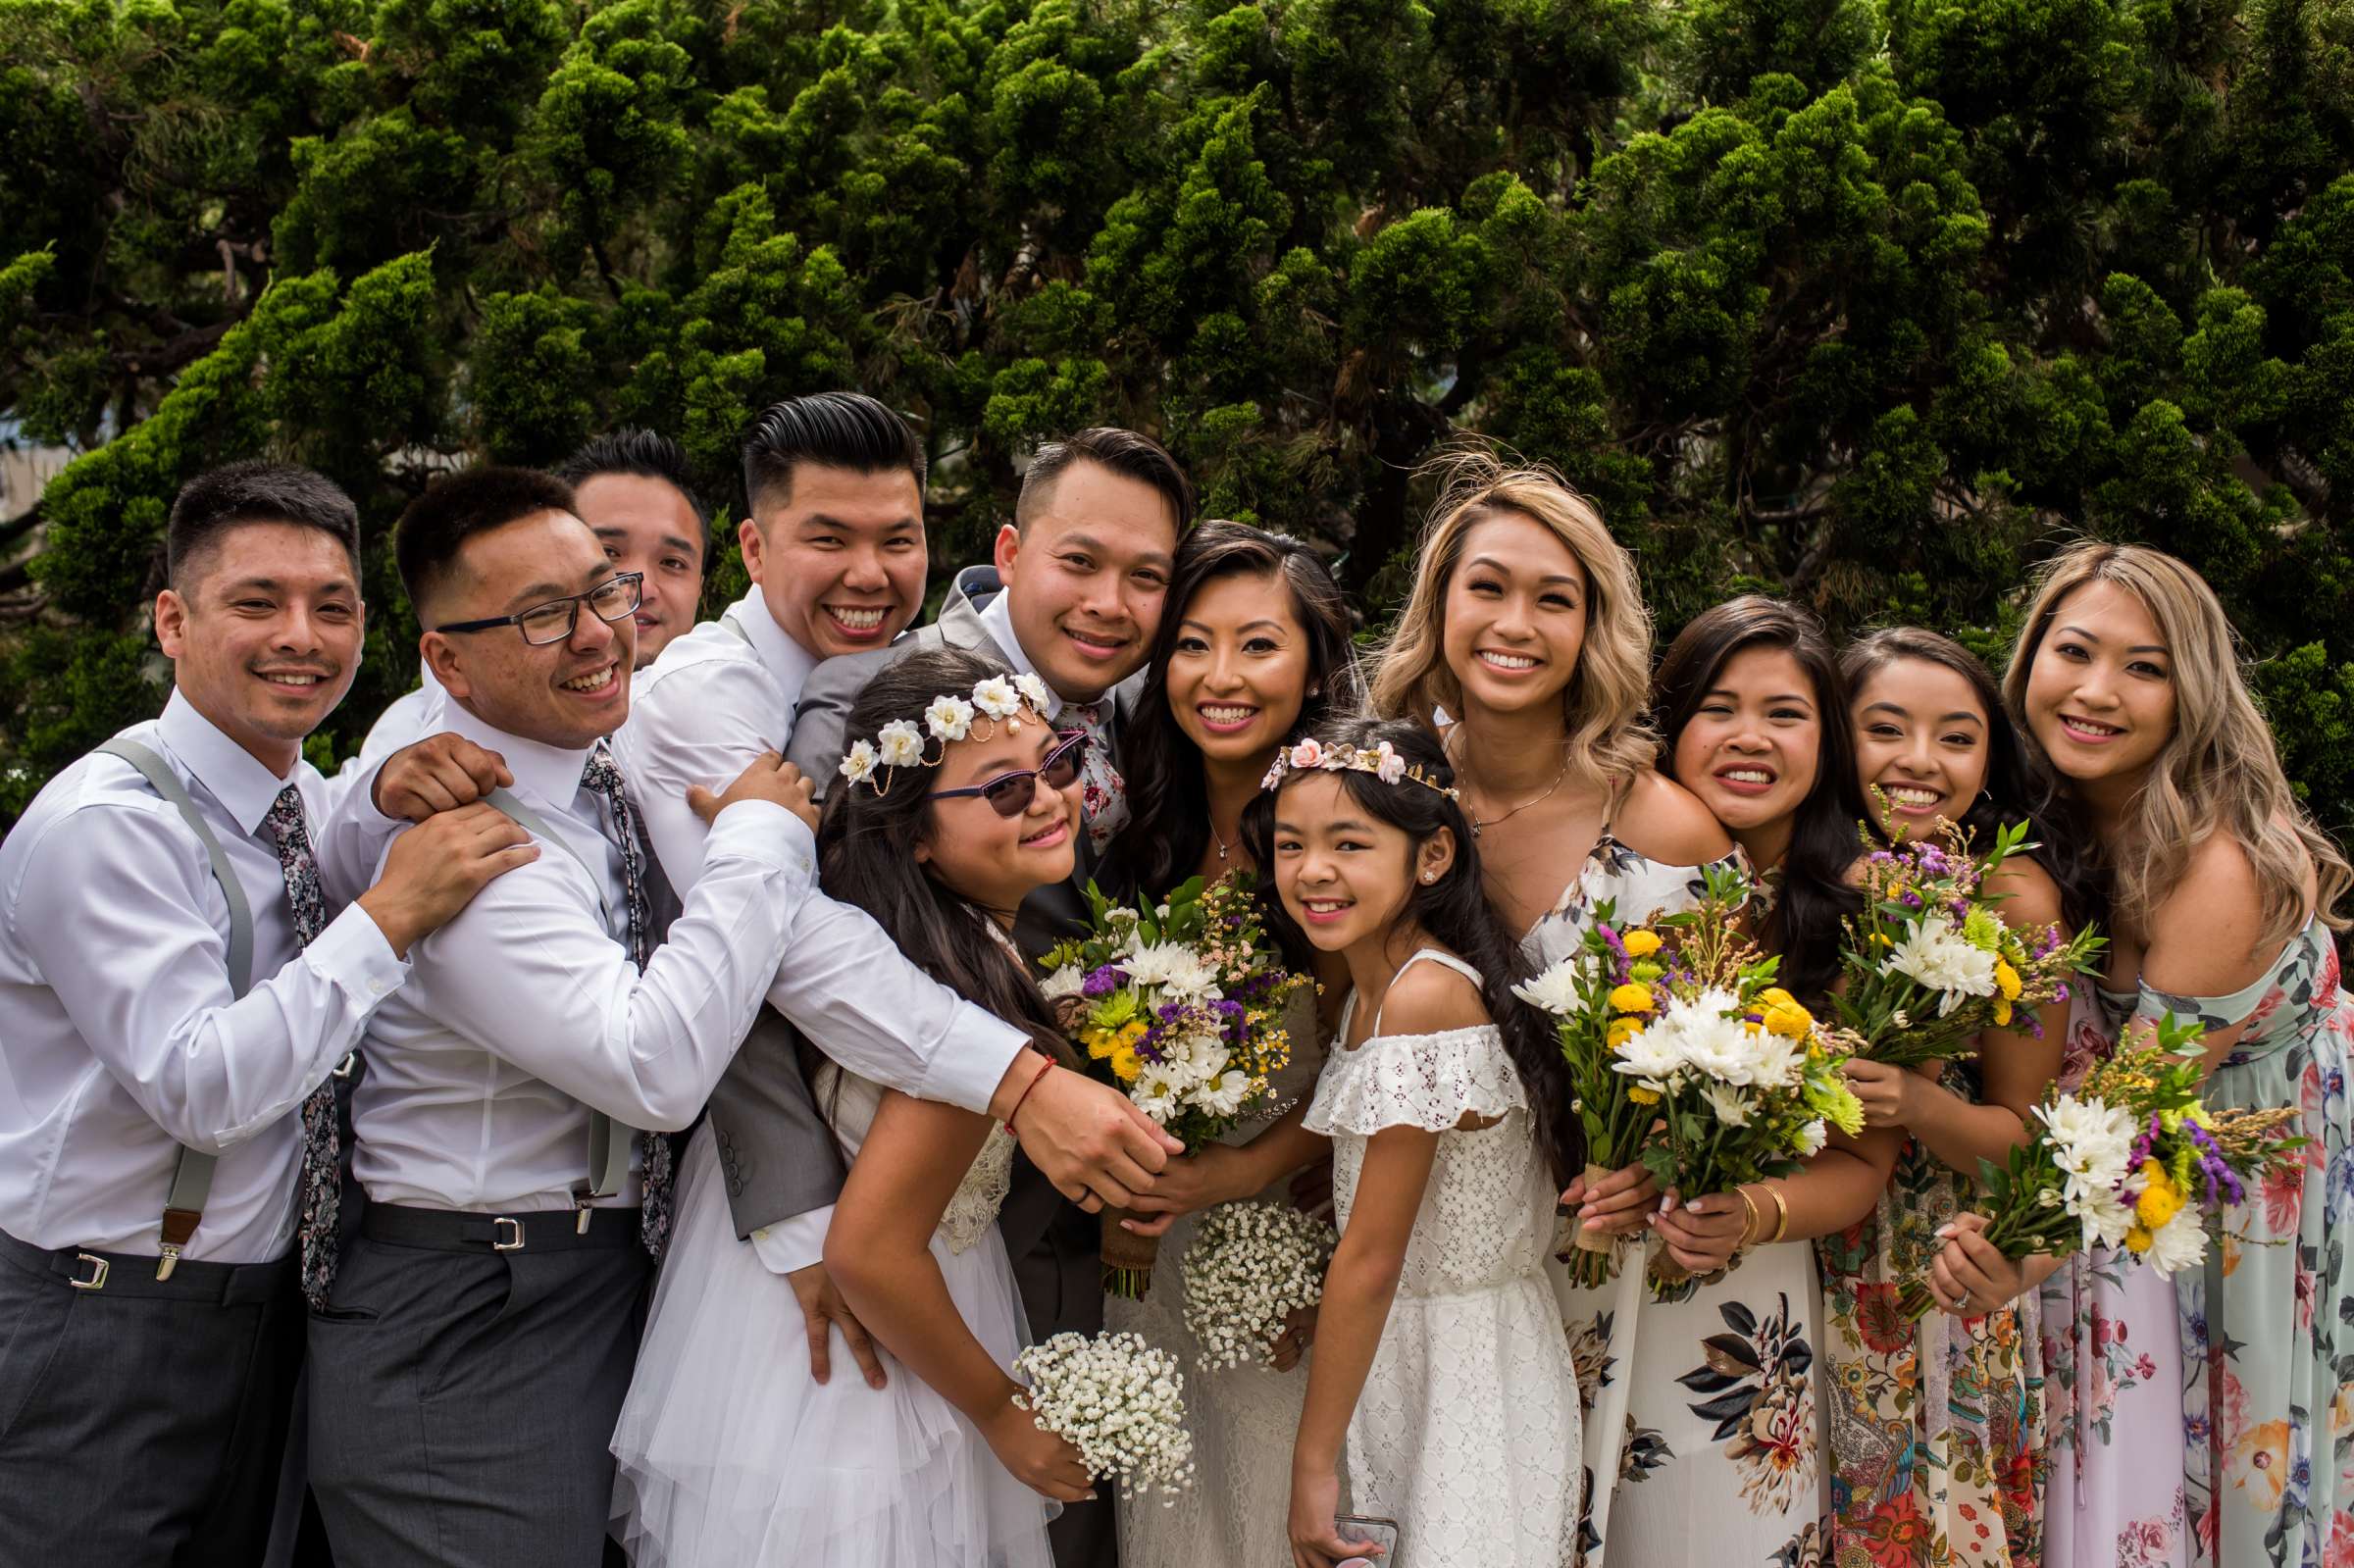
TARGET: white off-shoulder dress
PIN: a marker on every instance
(1467, 1430)
(728, 1456)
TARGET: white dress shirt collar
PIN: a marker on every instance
(996, 618)
(544, 775)
(233, 775)
(783, 658)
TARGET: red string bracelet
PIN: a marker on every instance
(1036, 1078)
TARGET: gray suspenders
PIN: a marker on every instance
(192, 1180)
(609, 1141)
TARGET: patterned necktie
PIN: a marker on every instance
(604, 779)
(1103, 792)
(322, 1154)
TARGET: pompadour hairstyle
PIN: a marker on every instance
(458, 506)
(644, 453)
(837, 429)
(237, 493)
(1127, 453)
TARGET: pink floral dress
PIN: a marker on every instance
(2113, 1382)
(2267, 1324)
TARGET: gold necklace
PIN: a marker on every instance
(1479, 822)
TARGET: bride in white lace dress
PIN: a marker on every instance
(727, 1452)
(1439, 1347)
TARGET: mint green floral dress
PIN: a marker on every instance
(2267, 1324)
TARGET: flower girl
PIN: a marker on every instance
(1439, 1349)
(957, 800)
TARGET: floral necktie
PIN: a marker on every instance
(322, 1152)
(603, 778)
(1103, 792)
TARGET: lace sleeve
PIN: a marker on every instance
(1426, 1081)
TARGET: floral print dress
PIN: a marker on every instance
(1936, 1426)
(2112, 1386)
(1702, 1428)
(2267, 1324)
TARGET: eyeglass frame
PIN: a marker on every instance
(1069, 740)
(571, 624)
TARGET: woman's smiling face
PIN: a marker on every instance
(1921, 742)
(1516, 614)
(1751, 748)
(2100, 695)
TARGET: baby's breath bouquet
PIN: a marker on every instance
(2129, 1158)
(1930, 962)
(1250, 1266)
(1745, 1082)
(1118, 1402)
(1584, 993)
(1182, 1006)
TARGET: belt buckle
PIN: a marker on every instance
(97, 1279)
(510, 1239)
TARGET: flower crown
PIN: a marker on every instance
(1382, 761)
(948, 717)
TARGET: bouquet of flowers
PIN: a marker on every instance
(1119, 1402)
(1585, 992)
(1249, 1267)
(2129, 1157)
(1929, 963)
(1742, 1080)
(1183, 1007)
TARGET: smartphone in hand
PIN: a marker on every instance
(1380, 1534)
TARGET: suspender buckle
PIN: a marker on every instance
(96, 1279)
(511, 1235)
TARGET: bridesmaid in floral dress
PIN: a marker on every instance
(2226, 897)
(1936, 1428)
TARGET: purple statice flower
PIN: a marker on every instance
(1911, 900)
(1103, 982)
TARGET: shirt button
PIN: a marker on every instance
(377, 985)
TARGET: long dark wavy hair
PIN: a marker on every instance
(1453, 911)
(2020, 786)
(1168, 796)
(865, 853)
(1815, 898)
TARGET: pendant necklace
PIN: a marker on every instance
(1479, 822)
(1221, 842)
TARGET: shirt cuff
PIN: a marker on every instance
(972, 1060)
(792, 1246)
(351, 952)
(763, 830)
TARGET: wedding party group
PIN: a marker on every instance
(1130, 1072)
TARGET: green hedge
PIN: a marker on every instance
(1871, 303)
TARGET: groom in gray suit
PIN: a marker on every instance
(1074, 595)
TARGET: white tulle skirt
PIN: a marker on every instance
(728, 1456)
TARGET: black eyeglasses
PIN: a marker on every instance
(614, 599)
(1009, 793)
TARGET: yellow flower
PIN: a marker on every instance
(1098, 1044)
(1643, 1096)
(2138, 1239)
(2007, 979)
(1623, 1029)
(2002, 1011)
(1126, 1064)
(2160, 1198)
(1641, 943)
(1631, 998)
(1783, 1015)
(1133, 1030)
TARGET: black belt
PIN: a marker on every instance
(133, 1273)
(537, 1231)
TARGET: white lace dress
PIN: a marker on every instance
(1467, 1430)
(1703, 1424)
(1242, 1418)
(728, 1456)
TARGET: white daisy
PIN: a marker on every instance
(949, 718)
(997, 697)
(2180, 1243)
(1554, 990)
(1064, 981)
(1935, 955)
(901, 744)
(860, 766)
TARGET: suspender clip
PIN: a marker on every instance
(580, 1209)
(169, 1260)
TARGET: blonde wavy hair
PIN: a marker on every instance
(2218, 772)
(1603, 705)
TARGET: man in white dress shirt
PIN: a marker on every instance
(170, 1011)
(836, 548)
(478, 1339)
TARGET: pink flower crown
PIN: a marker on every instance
(900, 744)
(1382, 761)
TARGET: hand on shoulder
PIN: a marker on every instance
(1663, 821)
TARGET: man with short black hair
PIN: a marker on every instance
(633, 489)
(174, 998)
(468, 1365)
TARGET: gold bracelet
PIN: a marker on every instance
(1749, 1229)
(1781, 1204)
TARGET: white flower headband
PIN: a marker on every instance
(1382, 761)
(900, 744)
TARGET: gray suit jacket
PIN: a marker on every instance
(775, 1152)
